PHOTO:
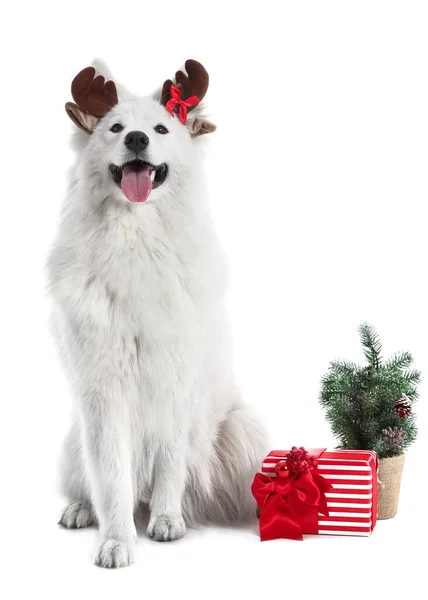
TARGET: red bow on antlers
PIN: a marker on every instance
(176, 100)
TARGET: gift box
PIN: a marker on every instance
(317, 491)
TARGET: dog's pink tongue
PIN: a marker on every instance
(136, 185)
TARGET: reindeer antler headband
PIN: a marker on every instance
(95, 96)
(189, 90)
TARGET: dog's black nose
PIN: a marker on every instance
(136, 141)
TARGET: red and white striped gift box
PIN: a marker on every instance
(352, 503)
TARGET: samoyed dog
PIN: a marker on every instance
(138, 282)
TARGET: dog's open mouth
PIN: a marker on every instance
(137, 178)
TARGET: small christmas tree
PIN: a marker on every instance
(370, 408)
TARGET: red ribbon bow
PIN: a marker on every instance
(291, 501)
(176, 100)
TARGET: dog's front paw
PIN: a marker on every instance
(113, 554)
(77, 515)
(166, 528)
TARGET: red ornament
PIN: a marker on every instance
(402, 406)
(299, 461)
(176, 100)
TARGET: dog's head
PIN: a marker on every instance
(138, 147)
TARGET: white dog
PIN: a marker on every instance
(138, 282)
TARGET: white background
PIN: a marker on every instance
(318, 175)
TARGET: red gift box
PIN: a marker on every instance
(337, 495)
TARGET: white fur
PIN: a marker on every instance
(140, 322)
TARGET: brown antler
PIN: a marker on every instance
(93, 94)
(195, 83)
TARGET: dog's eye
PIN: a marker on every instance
(116, 128)
(161, 129)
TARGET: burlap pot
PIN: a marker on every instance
(390, 471)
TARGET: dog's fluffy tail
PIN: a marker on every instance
(240, 447)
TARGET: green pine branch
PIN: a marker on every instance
(400, 360)
(372, 346)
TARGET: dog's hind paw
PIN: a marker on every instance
(166, 528)
(77, 515)
(112, 554)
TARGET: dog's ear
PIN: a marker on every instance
(93, 97)
(85, 121)
(198, 125)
